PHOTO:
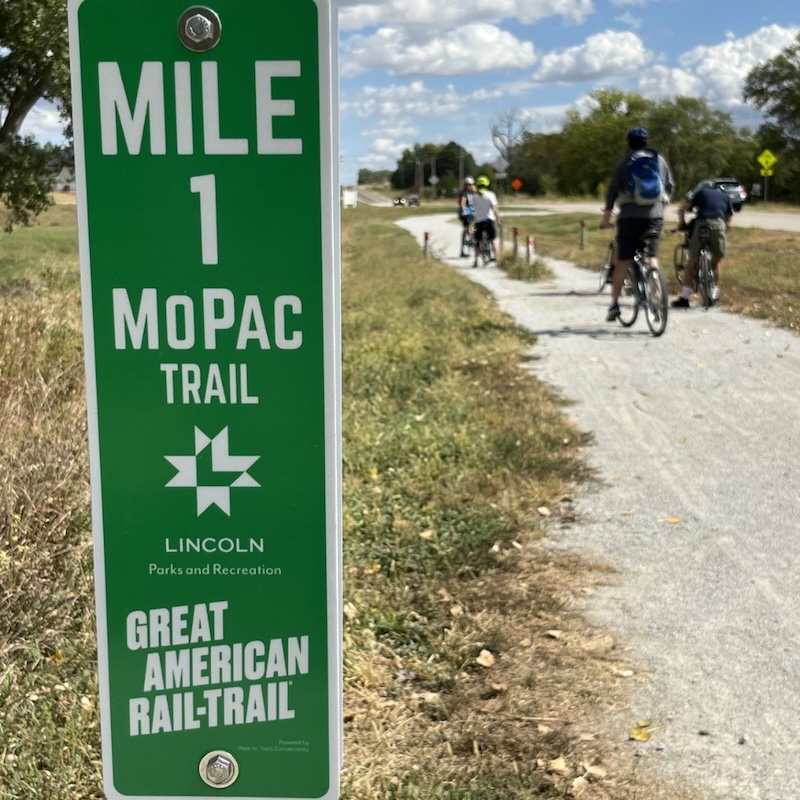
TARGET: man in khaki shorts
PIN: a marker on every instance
(714, 211)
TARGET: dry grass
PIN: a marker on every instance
(48, 719)
(760, 275)
(469, 672)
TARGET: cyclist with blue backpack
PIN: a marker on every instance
(641, 185)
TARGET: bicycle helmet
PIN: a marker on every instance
(469, 180)
(637, 137)
(483, 180)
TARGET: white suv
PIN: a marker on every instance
(734, 190)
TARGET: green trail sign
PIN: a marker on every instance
(206, 162)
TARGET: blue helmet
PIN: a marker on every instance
(637, 137)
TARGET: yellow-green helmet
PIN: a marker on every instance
(483, 181)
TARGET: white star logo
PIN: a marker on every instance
(221, 462)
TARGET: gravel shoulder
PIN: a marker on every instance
(696, 443)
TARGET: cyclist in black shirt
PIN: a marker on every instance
(713, 210)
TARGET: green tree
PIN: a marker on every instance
(416, 166)
(593, 143)
(774, 87)
(373, 176)
(34, 65)
(537, 159)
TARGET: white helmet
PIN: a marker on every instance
(469, 180)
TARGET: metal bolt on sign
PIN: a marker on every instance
(199, 28)
(219, 769)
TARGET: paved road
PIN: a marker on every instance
(697, 438)
(748, 217)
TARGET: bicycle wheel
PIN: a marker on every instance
(629, 299)
(607, 270)
(486, 250)
(656, 301)
(705, 278)
(679, 259)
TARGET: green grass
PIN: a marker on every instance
(452, 452)
(760, 276)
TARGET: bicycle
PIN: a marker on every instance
(704, 280)
(483, 249)
(705, 273)
(680, 256)
(644, 285)
(607, 270)
(470, 243)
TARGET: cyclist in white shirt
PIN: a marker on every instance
(487, 214)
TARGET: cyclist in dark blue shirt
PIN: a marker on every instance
(713, 210)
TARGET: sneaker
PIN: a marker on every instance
(463, 254)
(613, 313)
(680, 302)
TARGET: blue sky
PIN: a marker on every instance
(441, 70)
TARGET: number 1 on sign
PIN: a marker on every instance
(206, 187)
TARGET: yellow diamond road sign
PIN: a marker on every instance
(767, 159)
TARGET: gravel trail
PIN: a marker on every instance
(696, 443)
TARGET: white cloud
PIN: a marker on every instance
(44, 124)
(472, 49)
(600, 56)
(403, 101)
(354, 15)
(725, 66)
(716, 73)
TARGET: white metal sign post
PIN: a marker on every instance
(206, 160)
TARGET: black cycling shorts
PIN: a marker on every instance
(485, 225)
(631, 230)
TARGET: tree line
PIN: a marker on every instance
(698, 142)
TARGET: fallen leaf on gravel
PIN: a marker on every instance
(673, 520)
(639, 735)
(485, 659)
(553, 634)
(645, 723)
(500, 687)
(623, 673)
(427, 534)
(595, 770)
(558, 765)
(456, 611)
(578, 786)
(627, 513)
(701, 365)
(371, 569)
(682, 440)
(544, 511)
(426, 697)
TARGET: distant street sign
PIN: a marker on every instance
(516, 184)
(433, 180)
(206, 161)
(500, 176)
(767, 172)
(767, 159)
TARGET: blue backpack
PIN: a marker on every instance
(644, 177)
